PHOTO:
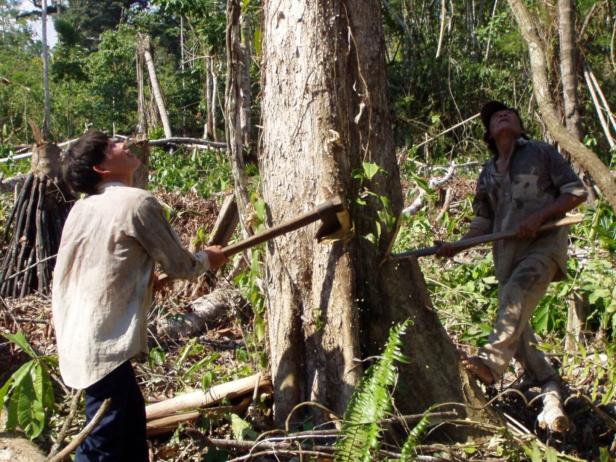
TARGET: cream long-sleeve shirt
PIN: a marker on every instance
(102, 280)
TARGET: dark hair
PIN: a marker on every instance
(490, 141)
(88, 151)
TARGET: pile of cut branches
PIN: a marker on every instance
(35, 225)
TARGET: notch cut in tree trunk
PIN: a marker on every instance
(35, 225)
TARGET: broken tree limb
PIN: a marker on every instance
(226, 222)
(599, 109)
(211, 308)
(434, 183)
(553, 416)
(200, 398)
(172, 141)
(83, 434)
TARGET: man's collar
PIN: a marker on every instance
(109, 184)
(519, 143)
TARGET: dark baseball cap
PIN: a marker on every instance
(490, 108)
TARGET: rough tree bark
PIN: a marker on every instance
(325, 111)
(580, 153)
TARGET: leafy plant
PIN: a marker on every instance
(29, 391)
(408, 449)
(370, 403)
(385, 216)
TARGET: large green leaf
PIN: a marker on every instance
(20, 340)
(21, 374)
(30, 413)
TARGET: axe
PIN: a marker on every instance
(473, 241)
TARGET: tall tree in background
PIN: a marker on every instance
(46, 97)
(580, 153)
(326, 131)
(568, 67)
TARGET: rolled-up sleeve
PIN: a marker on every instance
(484, 214)
(153, 232)
(563, 177)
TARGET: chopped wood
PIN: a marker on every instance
(168, 424)
(200, 398)
(553, 416)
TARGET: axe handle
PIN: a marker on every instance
(325, 210)
(473, 241)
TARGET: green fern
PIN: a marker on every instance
(370, 403)
(408, 450)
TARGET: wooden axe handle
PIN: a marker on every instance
(473, 241)
(325, 211)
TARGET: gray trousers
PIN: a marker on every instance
(512, 335)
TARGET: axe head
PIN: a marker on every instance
(335, 221)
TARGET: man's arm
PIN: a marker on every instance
(562, 204)
(154, 233)
(482, 222)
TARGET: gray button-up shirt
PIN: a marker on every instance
(537, 175)
(102, 279)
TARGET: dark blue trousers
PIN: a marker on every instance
(120, 435)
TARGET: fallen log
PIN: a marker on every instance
(200, 398)
(211, 308)
(168, 424)
(553, 416)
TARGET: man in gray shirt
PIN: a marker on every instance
(102, 290)
(524, 185)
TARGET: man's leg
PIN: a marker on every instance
(536, 365)
(518, 298)
(106, 442)
(136, 448)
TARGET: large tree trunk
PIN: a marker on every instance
(325, 112)
(587, 159)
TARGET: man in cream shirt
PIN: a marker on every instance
(102, 290)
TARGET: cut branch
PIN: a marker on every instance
(199, 399)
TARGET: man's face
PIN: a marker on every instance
(119, 160)
(505, 121)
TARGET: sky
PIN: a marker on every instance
(52, 36)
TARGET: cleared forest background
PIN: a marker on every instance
(160, 69)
